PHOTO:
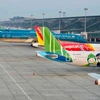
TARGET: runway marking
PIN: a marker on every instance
(16, 83)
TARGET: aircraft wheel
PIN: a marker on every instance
(31, 45)
(98, 64)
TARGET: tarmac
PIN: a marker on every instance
(24, 76)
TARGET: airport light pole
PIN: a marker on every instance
(43, 18)
(85, 19)
(59, 20)
(31, 21)
(64, 14)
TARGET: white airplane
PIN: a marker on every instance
(96, 76)
(54, 51)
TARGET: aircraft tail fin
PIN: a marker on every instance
(39, 35)
(51, 44)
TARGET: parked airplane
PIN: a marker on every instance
(96, 76)
(12, 35)
(73, 46)
(70, 46)
(70, 37)
(54, 51)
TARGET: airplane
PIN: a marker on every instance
(70, 37)
(96, 76)
(17, 36)
(70, 46)
(54, 51)
(73, 46)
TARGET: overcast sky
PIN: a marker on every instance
(51, 8)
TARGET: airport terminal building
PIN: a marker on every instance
(71, 25)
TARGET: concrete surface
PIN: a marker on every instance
(23, 76)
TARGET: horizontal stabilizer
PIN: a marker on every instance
(53, 56)
(94, 75)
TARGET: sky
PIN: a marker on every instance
(50, 8)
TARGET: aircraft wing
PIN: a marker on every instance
(18, 40)
(94, 75)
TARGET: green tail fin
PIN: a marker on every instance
(51, 43)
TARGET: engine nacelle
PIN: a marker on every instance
(97, 82)
(34, 45)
